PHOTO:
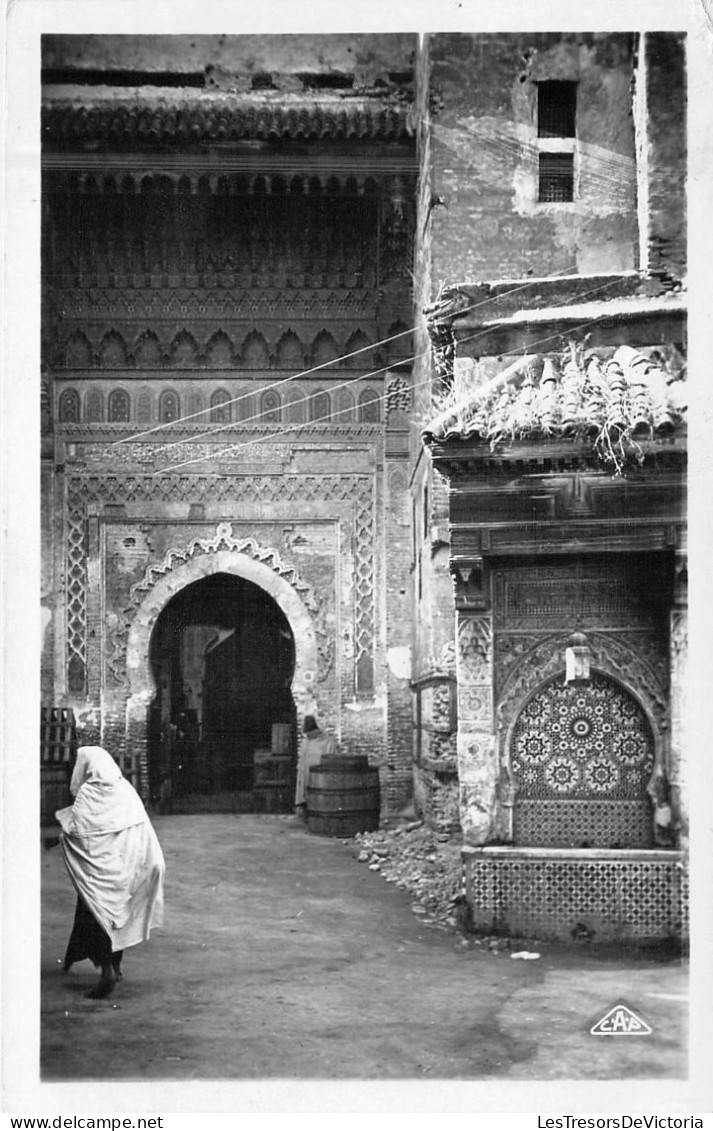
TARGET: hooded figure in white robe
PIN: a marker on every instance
(115, 862)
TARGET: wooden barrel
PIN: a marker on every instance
(343, 797)
(54, 790)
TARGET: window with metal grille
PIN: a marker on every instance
(220, 407)
(270, 407)
(244, 405)
(94, 407)
(369, 407)
(168, 407)
(143, 407)
(320, 408)
(345, 407)
(118, 406)
(556, 109)
(69, 407)
(556, 177)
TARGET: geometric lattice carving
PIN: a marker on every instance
(640, 895)
(369, 407)
(544, 597)
(76, 595)
(583, 824)
(523, 598)
(398, 395)
(364, 589)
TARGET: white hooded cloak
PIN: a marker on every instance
(111, 851)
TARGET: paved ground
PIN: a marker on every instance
(283, 956)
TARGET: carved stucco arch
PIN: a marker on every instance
(537, 666)
(262, 567)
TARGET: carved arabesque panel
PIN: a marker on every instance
(355, 491)
(475, 649)
(609, 655)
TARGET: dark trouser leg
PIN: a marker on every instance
(116, 964)
(100, 954)
(107, 978)
(86, 935)
(90, 940)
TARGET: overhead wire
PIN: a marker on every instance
(507, 144)
(613, 174)
(273, 436)
(596, 156)
(516, 148)
(513, 146)
(334, 388)
(326, 364)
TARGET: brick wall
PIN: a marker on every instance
(437, 797)
(484, 156)
(399, 609)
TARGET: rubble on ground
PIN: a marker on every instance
(428, 865)
(424, 863)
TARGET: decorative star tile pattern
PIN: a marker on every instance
(582, 757)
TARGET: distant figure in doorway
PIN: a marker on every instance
(115, 862)
(316, 745)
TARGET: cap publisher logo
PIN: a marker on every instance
(620, 1021)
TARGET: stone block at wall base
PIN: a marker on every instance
(606, 895)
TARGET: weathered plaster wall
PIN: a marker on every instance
(368, 57)
(485, 156)
(664, 76)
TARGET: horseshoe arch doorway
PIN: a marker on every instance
(221, 733)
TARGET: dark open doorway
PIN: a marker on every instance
(222, 725)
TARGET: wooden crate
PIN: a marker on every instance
(58, 741)
(274, 785)
(58, 735)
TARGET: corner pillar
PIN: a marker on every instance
(678, 656)
(477, 757)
